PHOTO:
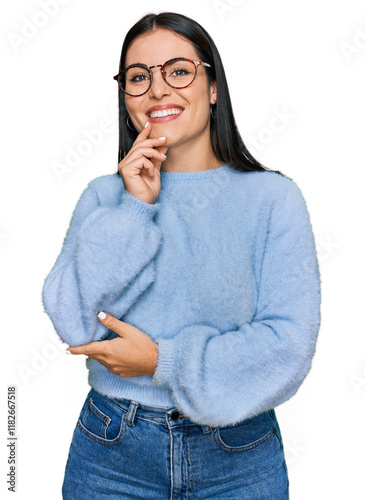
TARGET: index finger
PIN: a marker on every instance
(87, 349)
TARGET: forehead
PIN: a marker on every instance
(156, 47)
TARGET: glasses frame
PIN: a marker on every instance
(162, 66)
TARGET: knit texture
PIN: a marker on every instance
(221, 271)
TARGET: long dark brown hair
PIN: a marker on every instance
(226, 140)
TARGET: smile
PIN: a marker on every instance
(165, 112)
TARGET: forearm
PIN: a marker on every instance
(105, 264)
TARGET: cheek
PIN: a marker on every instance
(134, 109)
(130, 106)
(201, 109)
(200, 101)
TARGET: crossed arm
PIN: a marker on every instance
(132, 354)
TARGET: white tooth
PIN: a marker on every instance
(165, 112)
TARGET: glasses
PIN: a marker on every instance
(178, 73)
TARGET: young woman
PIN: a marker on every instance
(190, 280)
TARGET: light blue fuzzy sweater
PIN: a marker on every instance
(221, 271)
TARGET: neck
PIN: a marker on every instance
(195, 155)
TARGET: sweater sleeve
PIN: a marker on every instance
(106, 262)
(221, 378)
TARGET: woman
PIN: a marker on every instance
(190, 280)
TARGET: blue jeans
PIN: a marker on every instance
(121, 449)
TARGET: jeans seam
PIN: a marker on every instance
(250, 446)
(283, 454)
(98, 412)
(190, 466)
(149, 420)
(100, 440)
(111, 400)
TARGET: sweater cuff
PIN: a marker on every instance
(167, 364)
(136, 206)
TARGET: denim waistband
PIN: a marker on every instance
(170, 416)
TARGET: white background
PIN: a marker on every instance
(302, 58)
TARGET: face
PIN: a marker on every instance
(192, 122)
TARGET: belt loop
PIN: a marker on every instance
(131, 413)
(206, 428)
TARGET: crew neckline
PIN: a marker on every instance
(196, 174)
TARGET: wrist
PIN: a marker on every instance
(154, 358)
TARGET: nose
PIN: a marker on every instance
(159, 87)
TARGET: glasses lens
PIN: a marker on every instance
(179, 73)
(135, 81)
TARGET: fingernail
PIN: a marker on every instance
(102, 315)
(162, 138)
(163, 155)
(68, 352)
(146, 124)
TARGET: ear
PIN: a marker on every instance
(213, 92)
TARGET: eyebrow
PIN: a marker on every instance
(144, 64)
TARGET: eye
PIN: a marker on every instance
(179, 72)
(139, 78)
(137, 75)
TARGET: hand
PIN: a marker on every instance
(139, 166)
(132, 354)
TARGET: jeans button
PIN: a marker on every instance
(175, 415)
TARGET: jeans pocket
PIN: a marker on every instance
(246, 434)
(101, 420)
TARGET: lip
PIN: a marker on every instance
(161, 107)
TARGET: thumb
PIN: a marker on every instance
(113, 323)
